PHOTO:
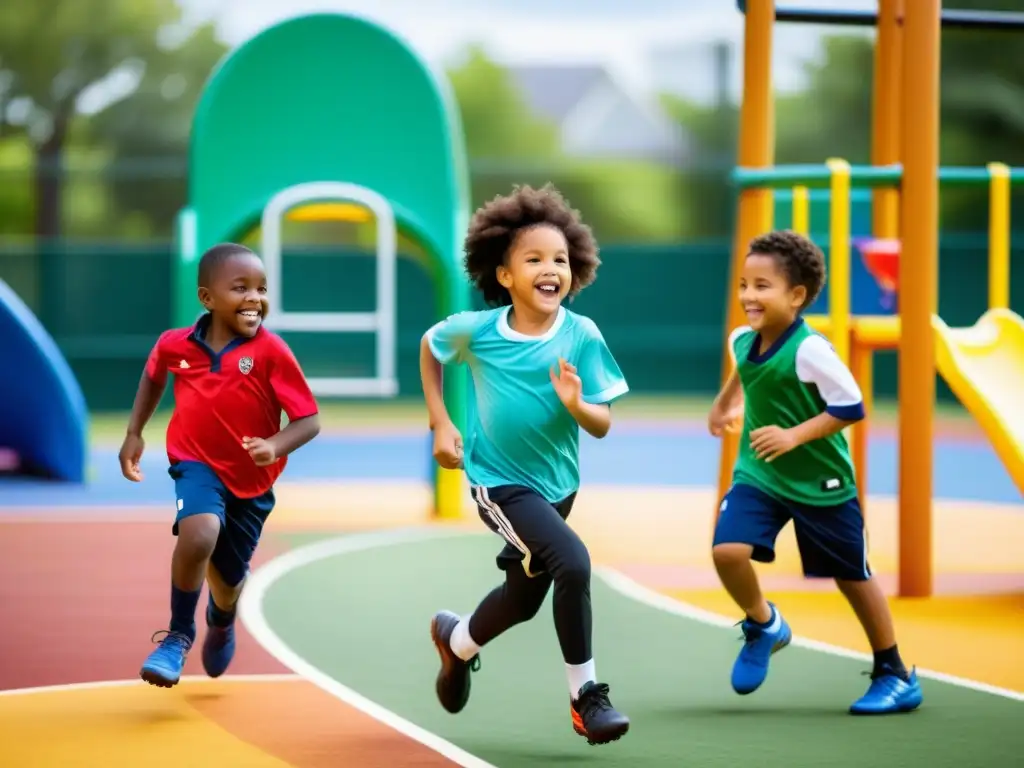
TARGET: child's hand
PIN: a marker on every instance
(130, 455)
(567, 383)
(261, 451)
(448, 446)
(722, 419)
(771, 442)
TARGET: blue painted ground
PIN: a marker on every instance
(683, 457)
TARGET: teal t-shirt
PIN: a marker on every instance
(797, 378)
(517, 430)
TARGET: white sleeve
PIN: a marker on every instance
(817, 363)
(737, 332)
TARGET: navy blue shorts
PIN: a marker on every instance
(831, 539)
(200, 492)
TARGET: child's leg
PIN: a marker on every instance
(459, 639)
(748, 523)
(733, 563)
(515, 601)
(546, 544)
(197, 528)
(833, 545)
(872, 609)
(226, 575)
(197, 538)
(539, 531)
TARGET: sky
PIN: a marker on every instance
(617, 33)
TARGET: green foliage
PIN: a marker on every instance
(150, 131)
(496, 119)
(713, 133)
(55, 54)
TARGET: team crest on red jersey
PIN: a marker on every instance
(245, 365)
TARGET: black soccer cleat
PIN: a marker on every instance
(594, 717)
(453, 681)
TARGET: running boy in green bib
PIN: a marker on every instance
(795, 396)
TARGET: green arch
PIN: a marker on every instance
(328, 97)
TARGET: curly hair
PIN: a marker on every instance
(495, 226)
(800, 260)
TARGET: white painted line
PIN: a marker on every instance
(72, 687)
(634, 590)
(251, 614)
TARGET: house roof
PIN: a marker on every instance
(554, 91)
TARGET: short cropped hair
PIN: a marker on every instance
(217, 255)
(495, 226)
(799, 259)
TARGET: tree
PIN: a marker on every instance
(149, 133)
(51, 54)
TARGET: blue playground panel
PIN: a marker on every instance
(43, 416)
(964, 469)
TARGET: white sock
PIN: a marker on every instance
(579, 675)
(462, 644)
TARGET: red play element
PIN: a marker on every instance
(882, 259)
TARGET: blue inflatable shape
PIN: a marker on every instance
(43, 416)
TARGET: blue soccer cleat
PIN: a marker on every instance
(164, 665)
(218, 647)
(889, 694)
(751, 667)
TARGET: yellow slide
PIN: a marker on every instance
(984, 366)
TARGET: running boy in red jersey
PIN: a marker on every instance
(232, 381)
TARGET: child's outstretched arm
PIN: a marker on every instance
(147, 397)
(727, 407)
(447, 440)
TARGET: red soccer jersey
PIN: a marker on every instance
(219, 398)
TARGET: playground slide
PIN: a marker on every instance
(984, 366)
(43, 416)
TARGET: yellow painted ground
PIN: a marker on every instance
(277, 722)
(976, 637)
(135, 725)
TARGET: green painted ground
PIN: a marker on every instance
(363, 618)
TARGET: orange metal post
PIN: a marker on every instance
(885, 201)
(918, 296)
(756, 150)
(885, 114)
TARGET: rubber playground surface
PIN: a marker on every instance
(335, 665)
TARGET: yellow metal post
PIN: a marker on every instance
(919, 293)
(801, 211)
(839, 258)
(862, 362)
(448, 493)
(756, 150)
(998, 236)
